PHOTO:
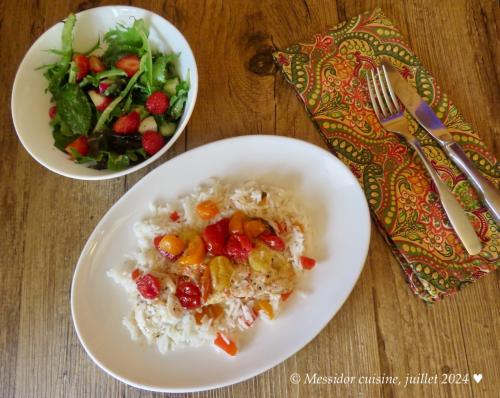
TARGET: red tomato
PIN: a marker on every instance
(239, 247)
(215, 236)
(307, 262)
(148, 286)
(188, 293)
(272, 241)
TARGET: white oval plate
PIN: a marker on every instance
(30, 103)
(339, 216)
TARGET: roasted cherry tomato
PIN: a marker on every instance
(261, 259)
(254, 227)
(215, 236)
(307, 262)
(238, 247)
(172, 244)
(194, 253)
(236, 222)
(148, 286)
(156, 243)
(222, 341)
(273, 241)
(207, 209)
(221, 272)
(188, 293)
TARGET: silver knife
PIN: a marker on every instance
(426, 117)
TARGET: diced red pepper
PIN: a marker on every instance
(226, 344)
(174, 216)
(307, 262)
(136, 273)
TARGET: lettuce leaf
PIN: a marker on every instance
(73, 107)
(125, 40)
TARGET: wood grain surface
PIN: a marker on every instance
(382, 329)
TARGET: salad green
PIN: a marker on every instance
(113, 106)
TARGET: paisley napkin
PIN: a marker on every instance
(327, 73)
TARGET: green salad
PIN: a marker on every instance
(115, 106)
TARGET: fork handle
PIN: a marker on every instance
(456, 214)
(486, 190)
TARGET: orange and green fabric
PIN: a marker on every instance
(328, 74)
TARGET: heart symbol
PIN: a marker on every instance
(477, 378)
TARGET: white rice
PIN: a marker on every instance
(163, 321)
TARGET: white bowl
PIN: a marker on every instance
(30, 103)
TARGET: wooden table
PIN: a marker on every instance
(381, 330)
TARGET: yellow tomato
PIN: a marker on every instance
(172, 244)
(207, 209)
(260, 259)
(236, 222)
(194, 253)
(221, 272)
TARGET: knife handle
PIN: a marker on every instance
(456, 214)
(488, 193)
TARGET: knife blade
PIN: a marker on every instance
(426, 117)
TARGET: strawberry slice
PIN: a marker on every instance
(127, 124)
(53, 111)
(82, 66)
(100, 101)
(152, 142)
(81, 145)
(96, 65)
(104, 85)
(129, 64)
(157, 103)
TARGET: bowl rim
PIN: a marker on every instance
(107, 174)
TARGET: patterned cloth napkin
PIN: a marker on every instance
(328, 74)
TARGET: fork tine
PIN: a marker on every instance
(372, 98)
(379, 97)
(383, 84)
(391, 91)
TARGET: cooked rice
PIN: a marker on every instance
(163, 320)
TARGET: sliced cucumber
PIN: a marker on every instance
(148, 124)
(167, 129)
(170, 86)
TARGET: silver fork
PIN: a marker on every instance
(391, 116)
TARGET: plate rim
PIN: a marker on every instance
(256, 370)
